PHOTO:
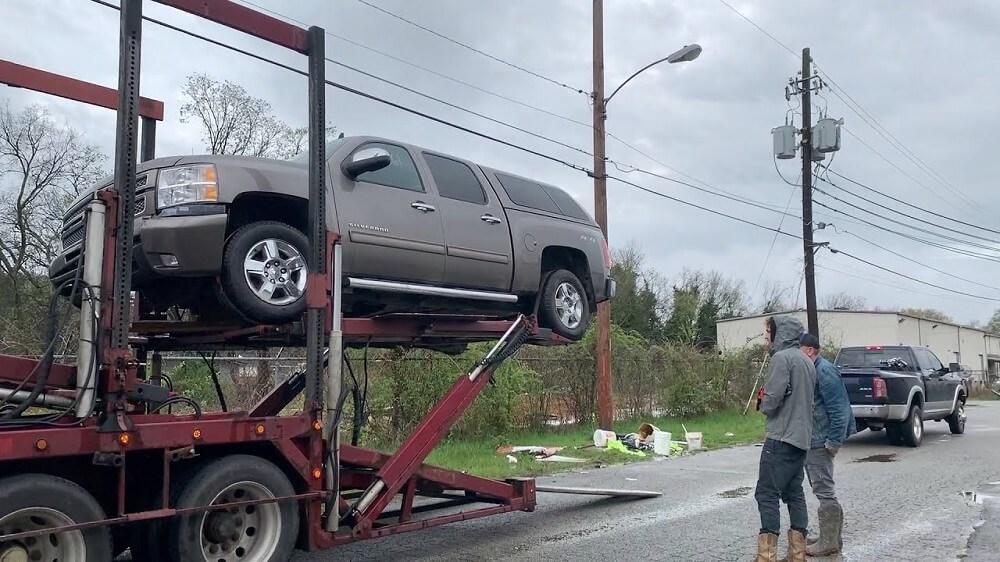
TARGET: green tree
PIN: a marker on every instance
(706, 333)
(636, 304)
(682, 323)
(994, 324)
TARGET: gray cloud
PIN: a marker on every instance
(922, 71)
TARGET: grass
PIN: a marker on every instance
(479, 456)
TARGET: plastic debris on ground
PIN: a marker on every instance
(541, 454)
(644, 441)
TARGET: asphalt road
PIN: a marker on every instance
(940, 501)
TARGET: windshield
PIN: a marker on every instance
(331, 146)
(872, 358)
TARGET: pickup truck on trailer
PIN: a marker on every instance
(899, 387)
(223, 237)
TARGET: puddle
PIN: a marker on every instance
(890, 457)
(736, 492)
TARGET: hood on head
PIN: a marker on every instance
(787, 330)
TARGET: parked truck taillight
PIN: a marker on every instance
(878, 389)
(607, 253)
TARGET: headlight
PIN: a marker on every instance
(187, 184)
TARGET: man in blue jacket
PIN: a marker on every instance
(833, 422)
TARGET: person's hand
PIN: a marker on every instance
(832, 451)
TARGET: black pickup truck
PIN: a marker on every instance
(899, 387)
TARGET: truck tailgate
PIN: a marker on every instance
(859, 386)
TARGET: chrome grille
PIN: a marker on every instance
(140, 204)
(73, 238)
(74, 230)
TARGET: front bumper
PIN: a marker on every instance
(164, 246)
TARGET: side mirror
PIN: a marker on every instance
(366, 160)
(954, 367)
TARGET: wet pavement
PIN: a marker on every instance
(940, 501)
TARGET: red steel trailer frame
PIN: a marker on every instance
(128, 455)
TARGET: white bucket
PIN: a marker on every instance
(661, 443)
(694, 440)
(601, 438)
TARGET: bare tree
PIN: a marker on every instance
(844, 301)
(234, 122)
(776, 298)
(43, 166)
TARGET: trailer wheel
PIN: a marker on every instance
(266, 531)
(37, 501)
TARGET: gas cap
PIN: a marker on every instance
(530, 243)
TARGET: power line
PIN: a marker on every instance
(869, 120)
(895, 142)
(713, 211)
(917, 228)
(458, 107)
(471, 48)
(883, 283)
(422, 68)
(931, 267)
(907, 215)
(356, 91)
(915, 280)
(911, 205)
(912, 238)
(770, 250)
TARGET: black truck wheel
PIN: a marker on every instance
(911, 431)
(38, 501)
(264, 272)
(265, 531)
(564, 307)
(956, 421)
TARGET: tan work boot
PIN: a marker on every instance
(796, 546)
(767, 548)
(830, 523)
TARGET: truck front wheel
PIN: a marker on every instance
(39, 501)
(265, 531)
(264, 272)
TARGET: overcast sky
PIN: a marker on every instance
(921, 69)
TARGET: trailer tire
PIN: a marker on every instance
(33, 501)
(266, 531)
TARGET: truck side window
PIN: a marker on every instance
(527, 194)
(401, 173)
(455, 180)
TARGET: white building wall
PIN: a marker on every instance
(974, 348)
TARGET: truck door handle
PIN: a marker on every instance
(422, 207)
(490, 219)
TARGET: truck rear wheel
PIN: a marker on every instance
(266, 531)
(911, 431)
(564, 307)
(264, 272)
(38, 501)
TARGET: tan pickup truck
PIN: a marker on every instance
(223, 237)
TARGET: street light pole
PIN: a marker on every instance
(605, 399)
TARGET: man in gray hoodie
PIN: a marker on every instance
(787, 403)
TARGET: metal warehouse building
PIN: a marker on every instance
(976, 349)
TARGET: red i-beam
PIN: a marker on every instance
(20, 76)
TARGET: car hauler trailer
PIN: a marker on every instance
(91, 464)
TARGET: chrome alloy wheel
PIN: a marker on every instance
(275, 271)
(569, 305)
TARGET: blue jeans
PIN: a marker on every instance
(782, 470)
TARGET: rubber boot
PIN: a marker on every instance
(829, 532)
(767, 548)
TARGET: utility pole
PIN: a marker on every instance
(605, 399)
(807, 207)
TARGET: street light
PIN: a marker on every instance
(605, 401)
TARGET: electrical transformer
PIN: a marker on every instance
(826, 134)
(817, 156)
(784, 141)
